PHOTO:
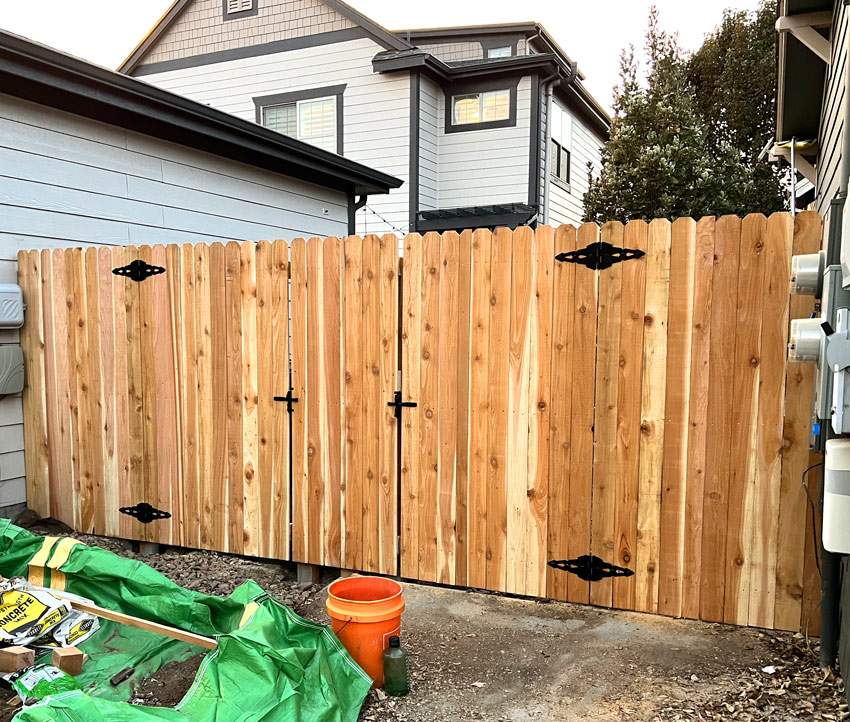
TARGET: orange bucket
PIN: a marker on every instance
(365, 612)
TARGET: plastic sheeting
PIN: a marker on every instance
(270, 664)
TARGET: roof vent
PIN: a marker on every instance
(239, 6)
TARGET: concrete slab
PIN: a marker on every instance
(481, 656)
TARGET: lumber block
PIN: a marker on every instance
(69, 660)
(13, 659)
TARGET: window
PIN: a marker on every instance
(560, 162)
(481, 107)
(499, 52)
(313, 121)
(239, 6)
(562, 141)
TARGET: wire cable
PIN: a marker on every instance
(805, 484)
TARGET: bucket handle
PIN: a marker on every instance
(350, 619)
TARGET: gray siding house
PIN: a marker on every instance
(92, 157)
(487, 125)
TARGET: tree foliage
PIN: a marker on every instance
(680, 145)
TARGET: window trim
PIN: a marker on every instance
(556, 148)
(255, 8)
(482, 86)
(499, 41)
(336, 91)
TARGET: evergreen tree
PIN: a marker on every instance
(665, 159)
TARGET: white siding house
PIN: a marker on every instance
(68, 179)
(290, 64)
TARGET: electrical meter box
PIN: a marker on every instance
(11, 306)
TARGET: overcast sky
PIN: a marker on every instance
(593, 33)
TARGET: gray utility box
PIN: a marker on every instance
(11, 370)
(11, 306)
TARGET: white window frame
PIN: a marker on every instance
(298, 104)
(481, 106)
(506, 51)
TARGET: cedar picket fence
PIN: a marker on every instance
(644, 413)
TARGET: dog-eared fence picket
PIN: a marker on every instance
(490, 402)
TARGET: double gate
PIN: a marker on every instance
(486, 411)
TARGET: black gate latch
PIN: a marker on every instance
(590, 568)
(144, 512)
(138, 270)
(289, 399)
(599, 255)
(399, 404)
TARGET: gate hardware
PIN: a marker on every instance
(590, 568)
(399, 404)
(289, 398)
(599, 255)
(144, 512)
(138, 270)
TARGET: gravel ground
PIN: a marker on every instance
(780, 681)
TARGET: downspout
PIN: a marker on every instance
(549, 84)
(353, 207)
(830, 613)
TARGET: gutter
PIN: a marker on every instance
(49, 78)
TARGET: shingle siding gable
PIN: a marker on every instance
(201, 28)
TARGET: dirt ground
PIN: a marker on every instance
(481, 656)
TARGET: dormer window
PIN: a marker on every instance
(499, 52)
(235, 9)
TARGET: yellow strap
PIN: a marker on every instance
(59, 557)
(250, 608)
(38, 562)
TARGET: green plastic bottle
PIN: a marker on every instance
(396, 672)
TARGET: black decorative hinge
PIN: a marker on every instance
(399, 404)
(289, 398)
(138, 270)
(590, 568)
(144, 512)
(599, 255)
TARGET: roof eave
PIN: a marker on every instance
(42, 75)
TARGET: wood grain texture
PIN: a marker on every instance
(411, 334)
(187, 367)
(301, 509)
(697, 416)
(724, 294)
(793, 505)
(608, 364)
(331, 422)
(653, 397)
(373, 403)
(462, 408)
(387, 486)
(479, 460)
(34, 397)
(233, 361)
(539, 400)
(676, 412)
(629, 376)
(497, 402)
(355, 434)
(764, 527)
(429, 401)
(251, 498)
(219, 461)
(519, 363)
(560, 412)
(745, 366)
(447, 408)
(281, 502)
(582, 416)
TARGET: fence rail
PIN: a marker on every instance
(643, 413)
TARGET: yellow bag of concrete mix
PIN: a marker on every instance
(75, 629)
(26, 615)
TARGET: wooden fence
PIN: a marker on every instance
(644, 413)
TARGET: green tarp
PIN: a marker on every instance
(275, 667)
